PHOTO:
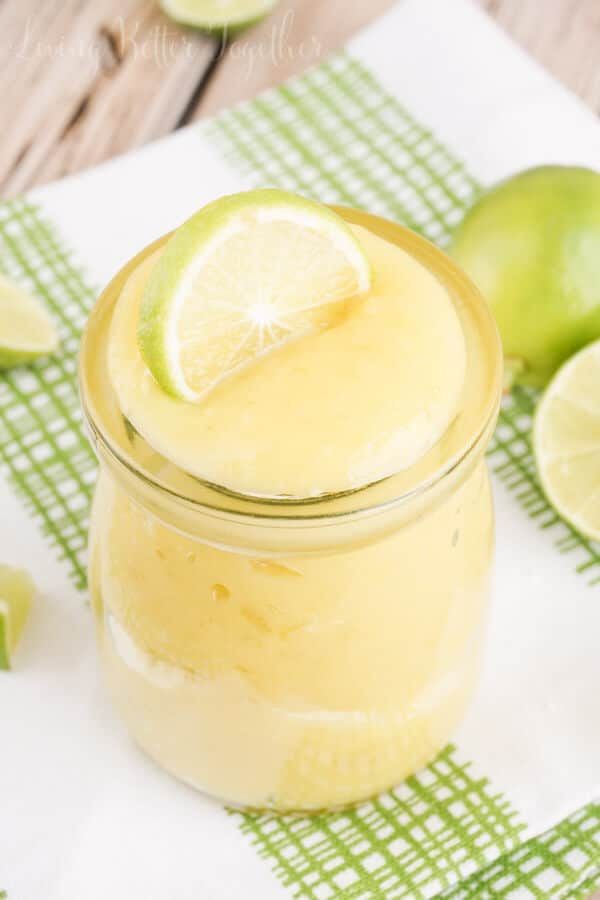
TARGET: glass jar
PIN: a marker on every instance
(294, 655)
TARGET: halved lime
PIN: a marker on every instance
(245, 275)
(566, 439)
(26, 329)
(16, 593)
(218, 15)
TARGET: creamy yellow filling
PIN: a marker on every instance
(332, 411)
(300, 679)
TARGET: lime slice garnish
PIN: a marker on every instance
(16, 592)
(566, 438)
(26, 329)
(243, 276)
(218, 14)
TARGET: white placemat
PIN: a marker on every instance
(417, 115)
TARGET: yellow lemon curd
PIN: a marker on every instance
(291, 577)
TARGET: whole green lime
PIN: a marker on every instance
(532, 245)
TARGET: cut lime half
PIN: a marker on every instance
(566, 439)
(26, 329)
(16, 593)
(218, 15)
(245, 275)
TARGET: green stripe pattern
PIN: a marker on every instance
(337, 135)
(42, 445)
(414, 841)
(334, 134)
(562, 864)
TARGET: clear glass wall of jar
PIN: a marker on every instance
(294, 655)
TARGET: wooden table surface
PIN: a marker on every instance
(81, 81)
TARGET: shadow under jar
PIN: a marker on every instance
(294, 655)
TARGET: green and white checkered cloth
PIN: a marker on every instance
(411, 122)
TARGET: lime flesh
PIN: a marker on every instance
(532, 245)
(243, 276)
(218, 15)
(16, 592)
(26, 330)
(566, 439)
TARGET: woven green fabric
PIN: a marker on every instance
(408, 843)
(414, 841)
(337, 135)
(563, 864)
(334, 134)
(511, 459)
(42, 445)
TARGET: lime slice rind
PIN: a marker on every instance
(218, 15)
(243, 276)
(16, 594)
(566, 440)
(4, 654)
(26, 329)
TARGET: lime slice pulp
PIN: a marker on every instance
(242, 277)
(218, 15)
(26, 330)
(16, 592)
(566, 438)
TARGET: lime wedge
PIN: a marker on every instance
(245, 275)
(26, 329)
(566, 439)
(16, 592)
(218, 15)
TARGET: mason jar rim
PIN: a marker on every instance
(313, 511)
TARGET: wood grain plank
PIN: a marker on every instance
(84, 81)
(297, 35)
(564, 35)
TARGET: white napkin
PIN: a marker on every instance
(83, 815)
